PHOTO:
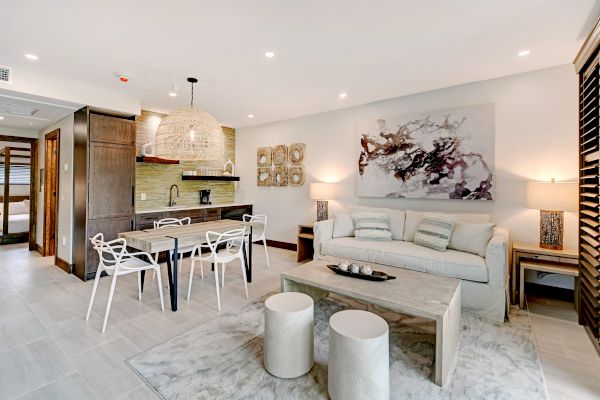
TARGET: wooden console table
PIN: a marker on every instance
(544, 260)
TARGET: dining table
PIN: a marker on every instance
(172, 238)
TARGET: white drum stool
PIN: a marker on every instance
(358, 356)
(289, 334)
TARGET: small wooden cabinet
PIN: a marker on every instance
(306, 237)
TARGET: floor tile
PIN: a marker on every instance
(71, 387)
(20, 330)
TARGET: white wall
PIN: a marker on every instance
(536, 139)
(65, 188)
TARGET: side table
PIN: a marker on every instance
(545, 260)
(305, 239)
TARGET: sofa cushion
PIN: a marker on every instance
(343, 226)
(414, 218)
(451, 263)
(472, 238)
(397, 218)
(372, 226)
(435, 230)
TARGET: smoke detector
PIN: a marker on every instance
(5, 74)
(122, 77)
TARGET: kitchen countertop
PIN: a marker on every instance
(196, 207)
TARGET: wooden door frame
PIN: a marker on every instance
(33, 142)
(54, 135)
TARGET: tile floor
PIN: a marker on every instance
(48, 350)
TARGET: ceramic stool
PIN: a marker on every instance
(289, 334)
(358, 356)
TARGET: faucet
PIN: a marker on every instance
(171, 199)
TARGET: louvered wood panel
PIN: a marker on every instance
(589, 190)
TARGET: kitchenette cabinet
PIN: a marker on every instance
(144, 219)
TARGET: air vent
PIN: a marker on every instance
(5, 74)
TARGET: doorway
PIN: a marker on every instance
(51, 157)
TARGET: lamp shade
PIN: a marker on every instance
(552, 196)
(322, 191)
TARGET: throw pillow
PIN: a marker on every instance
(435, 231)
(372, 226)
(342, 225)
(471, 238)
(413, 220)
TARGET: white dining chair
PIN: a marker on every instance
(117, 261)
(259, 233)
(233, 250)
(170, 223)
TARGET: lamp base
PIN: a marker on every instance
(551, 229)
(322, 213)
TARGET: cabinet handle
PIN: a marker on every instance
(133, 196)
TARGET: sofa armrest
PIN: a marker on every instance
(323, 231)
(496, 258)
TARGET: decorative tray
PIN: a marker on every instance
(377, 276)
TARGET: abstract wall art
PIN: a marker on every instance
(263, 157)
(280, 176)
(264, 176)
(296, 175)
(296, 153)
(273, 168)
(437, 155)
(280, 155)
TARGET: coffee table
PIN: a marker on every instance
(414, 293)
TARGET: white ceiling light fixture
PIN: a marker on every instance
(31, 56)
(250, 115)
(343, 95)
(1, 117)
(524, 53)
(269, 54)
(189, 134)
(172, 94)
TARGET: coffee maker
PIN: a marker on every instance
(205, 196)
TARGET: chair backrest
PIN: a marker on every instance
(166, 222)
(231, 239)
(110, 253)
(260, 219)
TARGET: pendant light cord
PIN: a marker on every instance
(192, 103)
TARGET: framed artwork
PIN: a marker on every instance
(437, 155)
(263, 157)
(280, 176)
(296, 175)
(264, 176)
(280, 155)
(296, 153)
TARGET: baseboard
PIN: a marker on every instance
(281, 245)
(39, 249)
(62, 264)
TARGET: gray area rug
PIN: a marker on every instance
(222, 359)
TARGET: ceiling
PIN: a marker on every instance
(24, 111)
(369, 49)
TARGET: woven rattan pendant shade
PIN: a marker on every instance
(189, 134)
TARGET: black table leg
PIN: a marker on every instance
(170, 276)
(175, 276)
(143, 275)
(249, 258)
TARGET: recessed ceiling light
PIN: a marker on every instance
(343, 95)
(523, 53)
(269, 54)
(250, 115)
(172, 94)
(31, 56)
(31, 124)
(1, 117)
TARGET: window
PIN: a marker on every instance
(19, 175)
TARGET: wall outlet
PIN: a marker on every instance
(143, 196)
(66, 167)
(64, 240)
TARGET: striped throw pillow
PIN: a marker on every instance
(435, 231)
(372, 226)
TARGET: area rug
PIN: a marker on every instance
(222, 359)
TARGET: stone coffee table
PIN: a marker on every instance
(414, 293)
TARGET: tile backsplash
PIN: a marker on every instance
(155, 179)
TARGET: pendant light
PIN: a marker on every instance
(190, 134)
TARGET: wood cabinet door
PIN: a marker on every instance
(111, 129)
(111, 177)
(110, 228)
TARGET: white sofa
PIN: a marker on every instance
(484, 279)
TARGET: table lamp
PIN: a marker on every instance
(552, 199)
(322, 192)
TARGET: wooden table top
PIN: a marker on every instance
(535, 248)
(415, 293)
(163, 239)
